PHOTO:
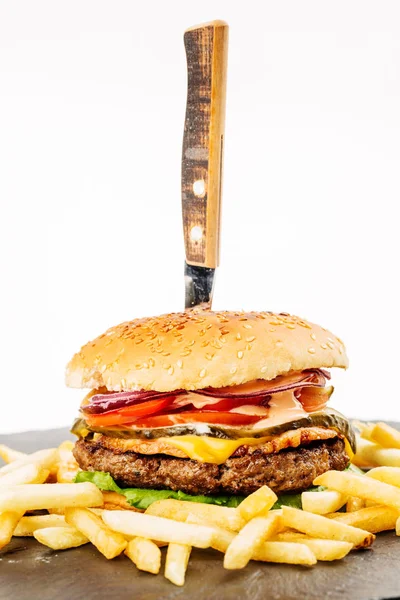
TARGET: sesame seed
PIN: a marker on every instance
(263, 369)
(311, 350)
(151, 362)
(272, 329)
(251, 338)
(233, 370)
(290, 326)
(139, 341)
(249, 347)
(216, 344)
(313, 336)
(324, 346)
(166, 366)
(191, 343)
(186, 352)
(202, 373)
(138, 366)
(165, 353)
(179, 363)
(238, 336)
(205, 343)
(331, 345)
(330, 340)
(145, 365)
(240, 354)
(247, 326)
(209, 356)
(171, 371)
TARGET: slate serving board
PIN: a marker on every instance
(30, 571)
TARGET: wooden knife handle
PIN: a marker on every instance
(202, 153)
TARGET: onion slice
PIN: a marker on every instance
(260, 387)
(100, 403)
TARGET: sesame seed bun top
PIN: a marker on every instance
(201, 348)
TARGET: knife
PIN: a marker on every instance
(202, 155)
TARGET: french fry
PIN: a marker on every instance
(176, 562)
(60, 538)
(390, 475)
(67, 467)
(67, 472)
(365, 429)
(222, 537)
(386, 436)
(398, 526)
(354, 504)
(145, 554)
(249, 539)
(65, 451)
(320, 527)
(222, 516)
(115, 501)
(322, 503)
(108, 542)
(361, 486)
(27, 525)
(259, 501)
(44, 459)
(291, 553)
(370, 454)
(8, 522)
(325, 550)
(373, 519)
(158, 528)
(9, 455)
(57, 495)
(29, 473)
(56, 511)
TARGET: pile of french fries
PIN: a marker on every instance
(332, 523)
(378, 445)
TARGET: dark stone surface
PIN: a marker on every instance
(29, 571)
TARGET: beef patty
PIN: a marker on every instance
(290, 470)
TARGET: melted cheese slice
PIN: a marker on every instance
(208, 449)
(217, 451)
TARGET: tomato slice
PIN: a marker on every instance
(129, 413)
(223, 418)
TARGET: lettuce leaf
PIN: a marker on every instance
(142, 498)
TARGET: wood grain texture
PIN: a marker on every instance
(202, 153)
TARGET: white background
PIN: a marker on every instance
(92, 101)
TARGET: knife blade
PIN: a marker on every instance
(202, 157)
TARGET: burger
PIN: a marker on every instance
(209, 406)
